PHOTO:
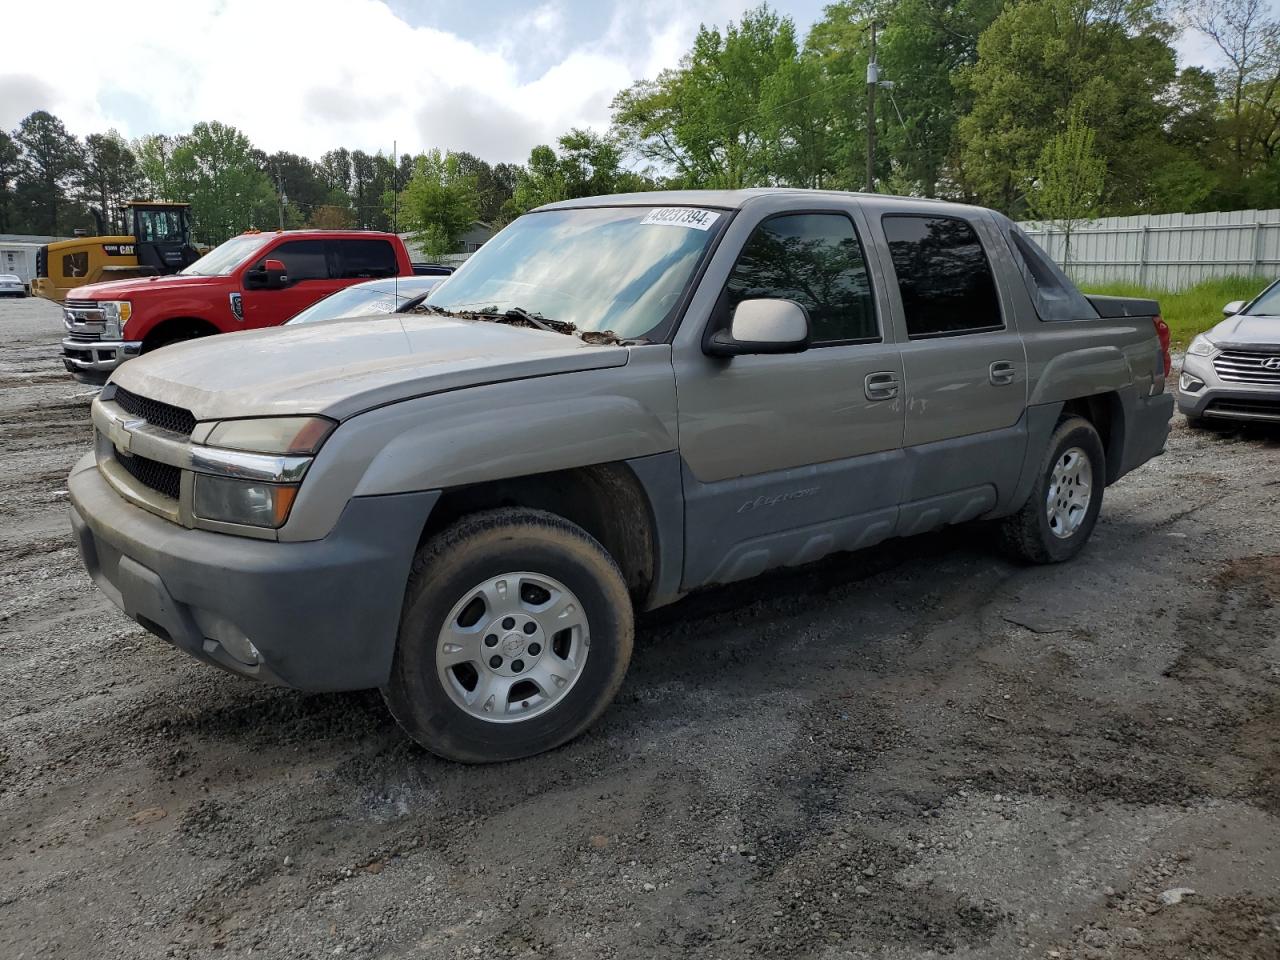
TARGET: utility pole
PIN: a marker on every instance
(280, 194)
(873, 81)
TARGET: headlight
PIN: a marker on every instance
(248, 502)
(1202, 346)
(248, 471)
(115, 314)
(291, 436)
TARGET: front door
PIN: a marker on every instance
(306, 262)
(789, 457)
(965, 369)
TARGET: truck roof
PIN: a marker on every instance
(316, 232)
(737, 199)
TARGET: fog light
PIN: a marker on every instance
(1189, 383)
(221, 632)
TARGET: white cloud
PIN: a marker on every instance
(309, 75)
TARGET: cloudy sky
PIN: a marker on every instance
(491, 76)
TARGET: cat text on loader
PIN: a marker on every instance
(157, 241)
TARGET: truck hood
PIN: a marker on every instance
(1247, 332)
(343, 367)
(141, 286)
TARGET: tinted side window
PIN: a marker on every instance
(302, 259)
(943, 275)
(366, 258)
(816, 260)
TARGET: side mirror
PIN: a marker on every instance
(1232, 308)
(277, 275)
(762, 326)
(272, 276)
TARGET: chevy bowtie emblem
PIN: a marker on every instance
(121, 434)
(237, 306)
(1272, 363)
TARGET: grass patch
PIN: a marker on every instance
(1190, 311)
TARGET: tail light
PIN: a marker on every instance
(1162, 332)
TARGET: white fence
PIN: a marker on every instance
(1168, 251)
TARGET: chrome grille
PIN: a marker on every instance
(83, 320)
(1241, 366)
(162, 415)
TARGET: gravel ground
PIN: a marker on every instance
(920, 751)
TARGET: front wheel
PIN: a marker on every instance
(515, 636)
(1057, 519)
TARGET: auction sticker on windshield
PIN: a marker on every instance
(682, 217)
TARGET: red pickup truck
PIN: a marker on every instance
(254, 280)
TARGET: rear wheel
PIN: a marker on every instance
(1058, 518)
(515, 636)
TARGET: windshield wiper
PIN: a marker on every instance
(520, 313)
(519, 316)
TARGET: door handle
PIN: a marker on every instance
(881, 386)
(1002, 373)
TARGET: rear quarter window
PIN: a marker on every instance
(1052, 293)
(367, 259)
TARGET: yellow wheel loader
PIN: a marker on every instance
(158, 242)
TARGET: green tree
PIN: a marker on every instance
(1039, 60)
(371, 179)
(300, 182)
(494, 184)
(213, 167)
(154, 155)
(704, 122)
(52, 161)
(335, 169)
(329, 216)
(333, 212)
(110, 177)
(11, 168)
(1069, 179)
(439, 203)
(587, 165)
(1249, 42)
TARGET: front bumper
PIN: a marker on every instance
(315, 615)
(93, 360)
(1226, 401)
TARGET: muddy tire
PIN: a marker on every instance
(1059, 515)
(515, 636)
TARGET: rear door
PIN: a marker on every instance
(311, 277)
(965, 370)
(789, 457)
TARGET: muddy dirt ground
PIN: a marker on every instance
(922, 751)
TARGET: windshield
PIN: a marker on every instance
(157, 226)
(1268, 304)
(222, 259)
(621, 269)
(363, 300)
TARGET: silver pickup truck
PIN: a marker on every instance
(616, 401)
